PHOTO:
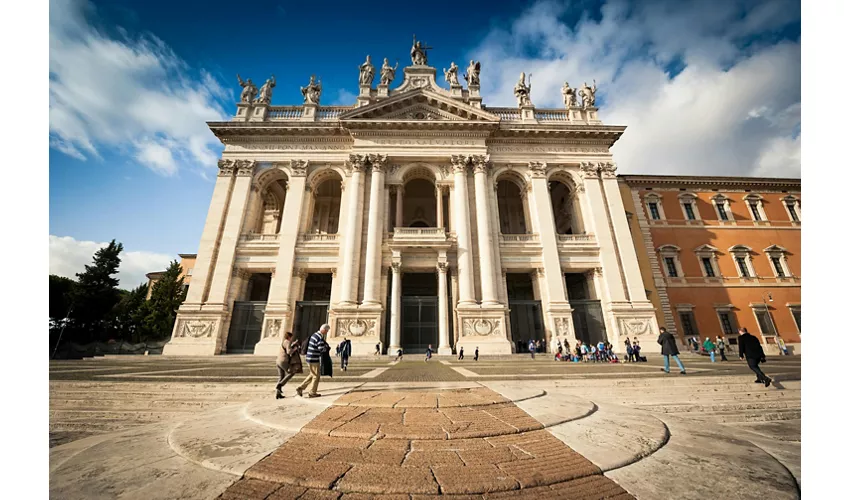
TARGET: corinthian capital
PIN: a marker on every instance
(589, 170)
(298, 167)
(608, 169)
(357, 162)
(245, 168)
(459, 163)
(226, 168)
(538, 169)
(377, 161)
(479, 162)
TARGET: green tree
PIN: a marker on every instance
(96, 294)
(129, 314)
(166, 296)
(60, 295)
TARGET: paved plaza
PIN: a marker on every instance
(501, 427)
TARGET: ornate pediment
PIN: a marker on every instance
(419, 105)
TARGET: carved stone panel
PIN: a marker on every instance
(272, 328)
(197, 329)
(635, 326)
(481, 327)
(355, 327)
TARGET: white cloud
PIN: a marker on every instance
(344, 98)
(734, 109)
(69, 257)
(106, 92)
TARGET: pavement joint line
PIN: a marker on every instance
(374, 373)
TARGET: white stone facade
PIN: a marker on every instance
(412, 180)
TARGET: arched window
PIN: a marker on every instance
(654, 208)
(511, 201)
(742, 255)
(564, 207)
(688, 202)
(708, 264)
(326, 203)
(755, 205)
(722, 208)
(778, 257)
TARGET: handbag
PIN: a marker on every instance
(295, 365)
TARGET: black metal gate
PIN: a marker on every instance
(526, 322)
(246, 326)
(310, 315)
(589, 321)
(418, 323)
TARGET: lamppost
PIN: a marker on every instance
(767, 310)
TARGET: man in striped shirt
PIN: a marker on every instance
(315, 348)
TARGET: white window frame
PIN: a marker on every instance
(793, 200)
(759, 201)
(671, 251)
(654, 198)
(747, 253)
(728, 310)
(718, 200)
(189, 271)
(710, 252)
(688, 308)
(780, 253)
(760, 307)
(691, 198)
(795, 307)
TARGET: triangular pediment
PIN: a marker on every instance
(419, 105)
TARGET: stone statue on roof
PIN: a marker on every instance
(588, 95)
(523, 91)
(367, 72)
(472, 73)
(312, 92)
(266, 91)
(569, 94)
(388, 72)
(249, 90)
(451, 75)
(418, 53)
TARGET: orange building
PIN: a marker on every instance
(719, 253)
(187, 263)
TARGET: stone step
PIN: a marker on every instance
(97, 414)
(721, 407)
(136, 404)
(756, 416)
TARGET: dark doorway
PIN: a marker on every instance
(312, 311)
(258, 287)
(246, 326)
(419, 312)
(588, 318)
(526, 314)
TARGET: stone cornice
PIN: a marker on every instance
(715, 182)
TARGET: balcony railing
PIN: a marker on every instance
(576, 238)
(552, 115)
(285, 112)
(519, 238)
(507, 114)
(259, 238)
(319, 237)
(418, 232)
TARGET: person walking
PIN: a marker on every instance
(783, 349)
(532, 347)
(721, 346)
(709, 346)
(460, 354)
(668, 349)
(344, 354)
(428, 353)
(475, 358)
(286, 363)
(750, 348)
(399, 354)
(315, 347)
(377, 349)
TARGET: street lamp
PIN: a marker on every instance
(767, 310)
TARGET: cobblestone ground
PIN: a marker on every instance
(464, 443)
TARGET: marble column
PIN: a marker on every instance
(443, 304)
(395, 310)
(216, 216)
(350, 256)
(545, 221)
(466, 290)
(281, 285)
(220, 282)
(399, 206)
(372, 277)
(439, 206)
(486, 268)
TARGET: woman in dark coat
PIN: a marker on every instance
(668, 349)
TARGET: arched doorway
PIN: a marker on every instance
(512, 213)
(327, 197)
(565, 207)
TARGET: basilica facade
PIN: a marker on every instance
(417, 216)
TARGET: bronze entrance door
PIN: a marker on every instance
(310, 315)
(246, 326)
(418, 323)
(589, 322)
(526, 322)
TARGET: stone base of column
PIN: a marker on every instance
(631, 323)
(361, 327)
(197, 334)
(485, 329)
(274, 326)
(560, 317)
(445, 351)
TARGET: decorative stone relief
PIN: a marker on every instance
(394, 169)
(272, 328)
(635, 326)
(197, 329)
(562, 326)
(589, 170)
(226, 168)
(355, 327)
(298, 167)
(356, 162)
(442, 267)
(377, 161)
(479, 162)
(459, 163)
(481, 327)
(608, 170)
(538, 169)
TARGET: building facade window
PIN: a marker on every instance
(721, 212)
(670, 257)
(707, 256)
(765, 321)
(654, 207)
(756, 205)
(778, 261)
(708, 267)
(688, 202)
(189, 271)
(743, 261)
(792, 206)
(722, 207)
(653, 211)
(728, 322)
(689, 324)
(796, 314)
(689, 211)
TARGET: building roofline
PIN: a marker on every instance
(154, 274)
(187, 255)
(701, 179)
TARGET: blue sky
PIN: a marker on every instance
(704, 87)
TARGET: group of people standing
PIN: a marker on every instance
(709, 347)
(586, 352)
